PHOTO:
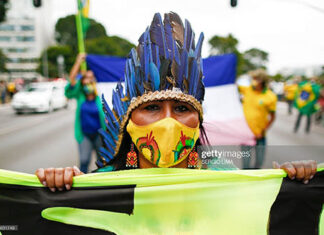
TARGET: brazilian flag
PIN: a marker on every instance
(83, 8)
(306, 97)
(164, 201)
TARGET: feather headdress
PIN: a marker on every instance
(165, 65)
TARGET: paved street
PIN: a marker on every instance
(30, 141)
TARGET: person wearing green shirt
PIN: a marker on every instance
(305, 100)
(89, 117)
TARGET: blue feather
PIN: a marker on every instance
(109, 114)
(189, 38)
(191, 53)
(134, 58)
(105, 154)
(131, 80)
(199, 45)
(157, 57)
(193, 77)
(158, 35)
(99, 163)
(146, 56)
(155, 76)
(117, 104)
(109, 141)
(176, 54)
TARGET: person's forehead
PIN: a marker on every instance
(166, 101)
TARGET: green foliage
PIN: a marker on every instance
(254, 58)
(249, 60)
(66, 33)
(52, 53)
(3, 9)
(278, 78)
(223, 45)
(3, 59)
(109, 46)
(96, 42)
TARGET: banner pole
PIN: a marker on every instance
(80, 35)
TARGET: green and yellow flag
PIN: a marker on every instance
(82, 23)
(306, 97)
(83, 7)
(165, 201)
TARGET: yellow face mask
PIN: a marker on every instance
(164, 143)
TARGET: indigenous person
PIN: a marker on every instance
(290, 89)
(259, 106)
(156, 119)
(89, 114)
(305, 102)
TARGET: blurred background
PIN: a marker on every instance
(38, 46)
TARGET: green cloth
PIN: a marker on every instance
(307, 106)
(76, 92)
(168, 201)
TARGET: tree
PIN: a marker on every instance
(96, 42)
(254, 58)
(251, 59)
(3, 60)
(278, 78)
(66, 34)
(3, 9)
(109, 46)
(223, 45)
(52, 54)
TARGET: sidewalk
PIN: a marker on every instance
(5, 106)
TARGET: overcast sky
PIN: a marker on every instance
(291, 31)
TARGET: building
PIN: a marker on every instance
(23, 36)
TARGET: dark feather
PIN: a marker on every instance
(177, 27)
(174, 70)
(182, 68)
(168, 35)
(164, 68)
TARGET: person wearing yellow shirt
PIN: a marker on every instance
(290, 90)
(259, 107)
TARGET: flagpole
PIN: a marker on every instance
(80, 35)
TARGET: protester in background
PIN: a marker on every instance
(259, 106)
(89, 114)
(290, 92)
(305, 101)
(3, 91)
(320, 103)
(11, 88)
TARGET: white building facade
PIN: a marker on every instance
(23, 36)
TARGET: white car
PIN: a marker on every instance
(40, 97)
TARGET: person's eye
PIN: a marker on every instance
(181, 108)
(152, 107)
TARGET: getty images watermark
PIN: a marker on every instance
(223, 157)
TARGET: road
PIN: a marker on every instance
(30, 141)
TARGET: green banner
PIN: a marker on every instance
(165, 201)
